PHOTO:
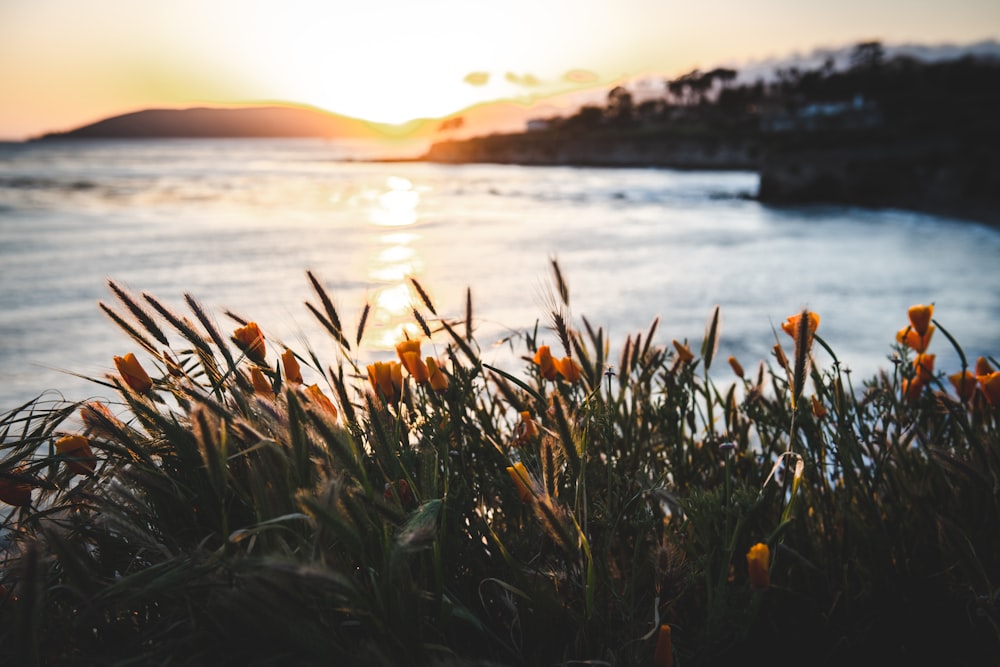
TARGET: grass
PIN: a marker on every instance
(578, 510)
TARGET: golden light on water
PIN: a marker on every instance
(394, 260)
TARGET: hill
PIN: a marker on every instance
(239, 122)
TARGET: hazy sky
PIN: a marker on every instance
(64, 63)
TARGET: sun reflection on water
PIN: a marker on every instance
(394, 260)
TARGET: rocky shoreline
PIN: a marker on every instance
(939, 176)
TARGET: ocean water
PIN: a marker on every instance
(237, 223)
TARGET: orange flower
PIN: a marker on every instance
(408, 345)
(15, 492)
(684, 353)
(386, 378)
(293, 373)
(920, 318)
(316, 395)
(546, 363)
(77, 449)
(436, 377)
(991, 387)
(791, 325)
(912, 389)
(251, 341)
(133, 373)
(663, 656)
(819, 411)
(914, 340)
(524, 430)
(735, 365)
(758, 565)
(924, 366)
(519, 473)
(260, 384)
(964, 383)
(98, 419)
(569, 369)
(983, 367)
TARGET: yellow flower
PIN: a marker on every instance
(251, 341)
(133, 373)
(991, 387)
(436, 377)
(293, 373)
(735, 365)
(569, 369)
(663, 656)
(758, 565)
(386, 378)
(260, 384)
(920, 318)
(964, 383)
(77, 449)
(316, 395)
(684, 353)
(546, 363)
(519, 473)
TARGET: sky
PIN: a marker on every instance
(66, 63)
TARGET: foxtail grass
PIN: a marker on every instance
(231, 523)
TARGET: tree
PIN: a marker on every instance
(620, 105)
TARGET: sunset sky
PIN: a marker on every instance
(64, 63)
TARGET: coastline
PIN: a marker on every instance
(933, 176)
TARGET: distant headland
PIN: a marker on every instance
(208, 122)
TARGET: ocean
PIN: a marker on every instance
(238, 223)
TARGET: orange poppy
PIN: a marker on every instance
(663, 655)
(991, 387)
(76, 448)
(436, 377)
(386, 378)
(684, 353)
(316, 395)
(924, 366)
(547, 365)
(920, 317)
(569, 369)
(912, 389)
(260, 383)
(791, 325)
(964, 383)
(293, 372)
(758, 565)
(983, 367)
(519, 473)
(914, 340)
(15, 492)
(250, 339)
(525, 429)
(819, 411)
(133, 373)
